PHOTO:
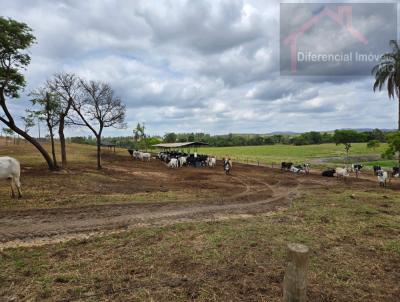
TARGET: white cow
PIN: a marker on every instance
(173, 163)
(136, 154)
(11, 169)
(382, 177)
(145, 156)
(182, 161)
(341, 172)
(212, 161)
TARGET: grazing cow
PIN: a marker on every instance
(211, 161)
(11, 169)
(382, 177)
(341, 172)
(376, 169)
(173, 163)
(328, 172)
(145, 156)
(182, 161)
(286, 166)
(395, 172)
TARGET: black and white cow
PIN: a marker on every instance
(377, 169)
(382, 177)
(395, 172)
(356, 168)
(286, 166)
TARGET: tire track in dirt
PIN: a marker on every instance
(40, 228)
(36, 227)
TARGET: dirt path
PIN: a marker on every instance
(42, 226)
(249, 191)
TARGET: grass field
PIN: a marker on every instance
(327, 153)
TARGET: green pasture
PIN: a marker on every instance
(319, 154)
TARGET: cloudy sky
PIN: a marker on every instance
(190, 66)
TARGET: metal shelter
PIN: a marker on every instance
(180, 146)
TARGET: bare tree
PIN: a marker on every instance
(66, 87)
(49, 112)
(98, 108)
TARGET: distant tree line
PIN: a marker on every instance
(307, 138)
(373, 138)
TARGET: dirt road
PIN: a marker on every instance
(249, 191)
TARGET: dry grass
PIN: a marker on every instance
(354, 242)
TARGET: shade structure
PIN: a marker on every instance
(180, 145)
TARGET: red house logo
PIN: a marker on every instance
(342, 17)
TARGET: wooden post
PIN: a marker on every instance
(295, 280)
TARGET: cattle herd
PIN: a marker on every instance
(10, 167)
(176, 159)
(344, 172)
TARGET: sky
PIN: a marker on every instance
(200, 66)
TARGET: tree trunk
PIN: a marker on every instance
(98, 138)
(398, 125)
(398, 155)
(34, 142)
(53, 148)
(11, 124)
(62, 142)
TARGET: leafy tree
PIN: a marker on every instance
(373, 144)
(326, 138)
(393, 140)
(388, 72)
(49, 111)
(98, 108)
(378, 135)
(15, 38)
(170, 137)
(278, 139)
(299, 141)
(8, 131)
(29, 122)
(346, 138)
(140, 136)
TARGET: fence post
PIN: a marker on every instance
(295, 280)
